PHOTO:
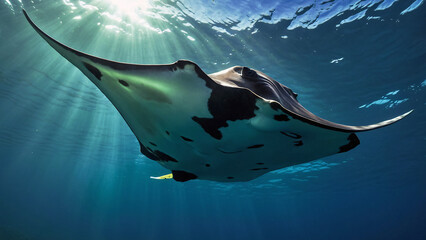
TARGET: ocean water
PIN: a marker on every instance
(70, 168)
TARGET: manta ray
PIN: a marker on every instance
(228, 126)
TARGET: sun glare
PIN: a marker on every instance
(129, 8)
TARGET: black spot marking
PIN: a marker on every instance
(207, 165)
(260, 163)
(276, 106)
(291, 134)
(93, 70)
(227, 104)
(248, 73)
(230, 177)
(147, 152)
(124, 83)
(256, 146)
(186, 139)
(182, 176)
(153, 144)
(257, 169)
(167, 132)
(224, 104)
(281, 117)
(181, 64)
(155, 155)
(353, 142)
(298, 143)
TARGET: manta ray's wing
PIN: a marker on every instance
(284, 100)
(292, 107)
(87, 63)
(127, 85)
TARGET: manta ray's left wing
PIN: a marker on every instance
(86, 62)
(130, 86)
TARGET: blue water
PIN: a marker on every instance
(70, 168)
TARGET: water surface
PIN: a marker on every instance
(70, 168)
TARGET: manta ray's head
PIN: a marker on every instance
(240, 74)
(255, 80)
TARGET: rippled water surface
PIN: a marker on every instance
(70, 168)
